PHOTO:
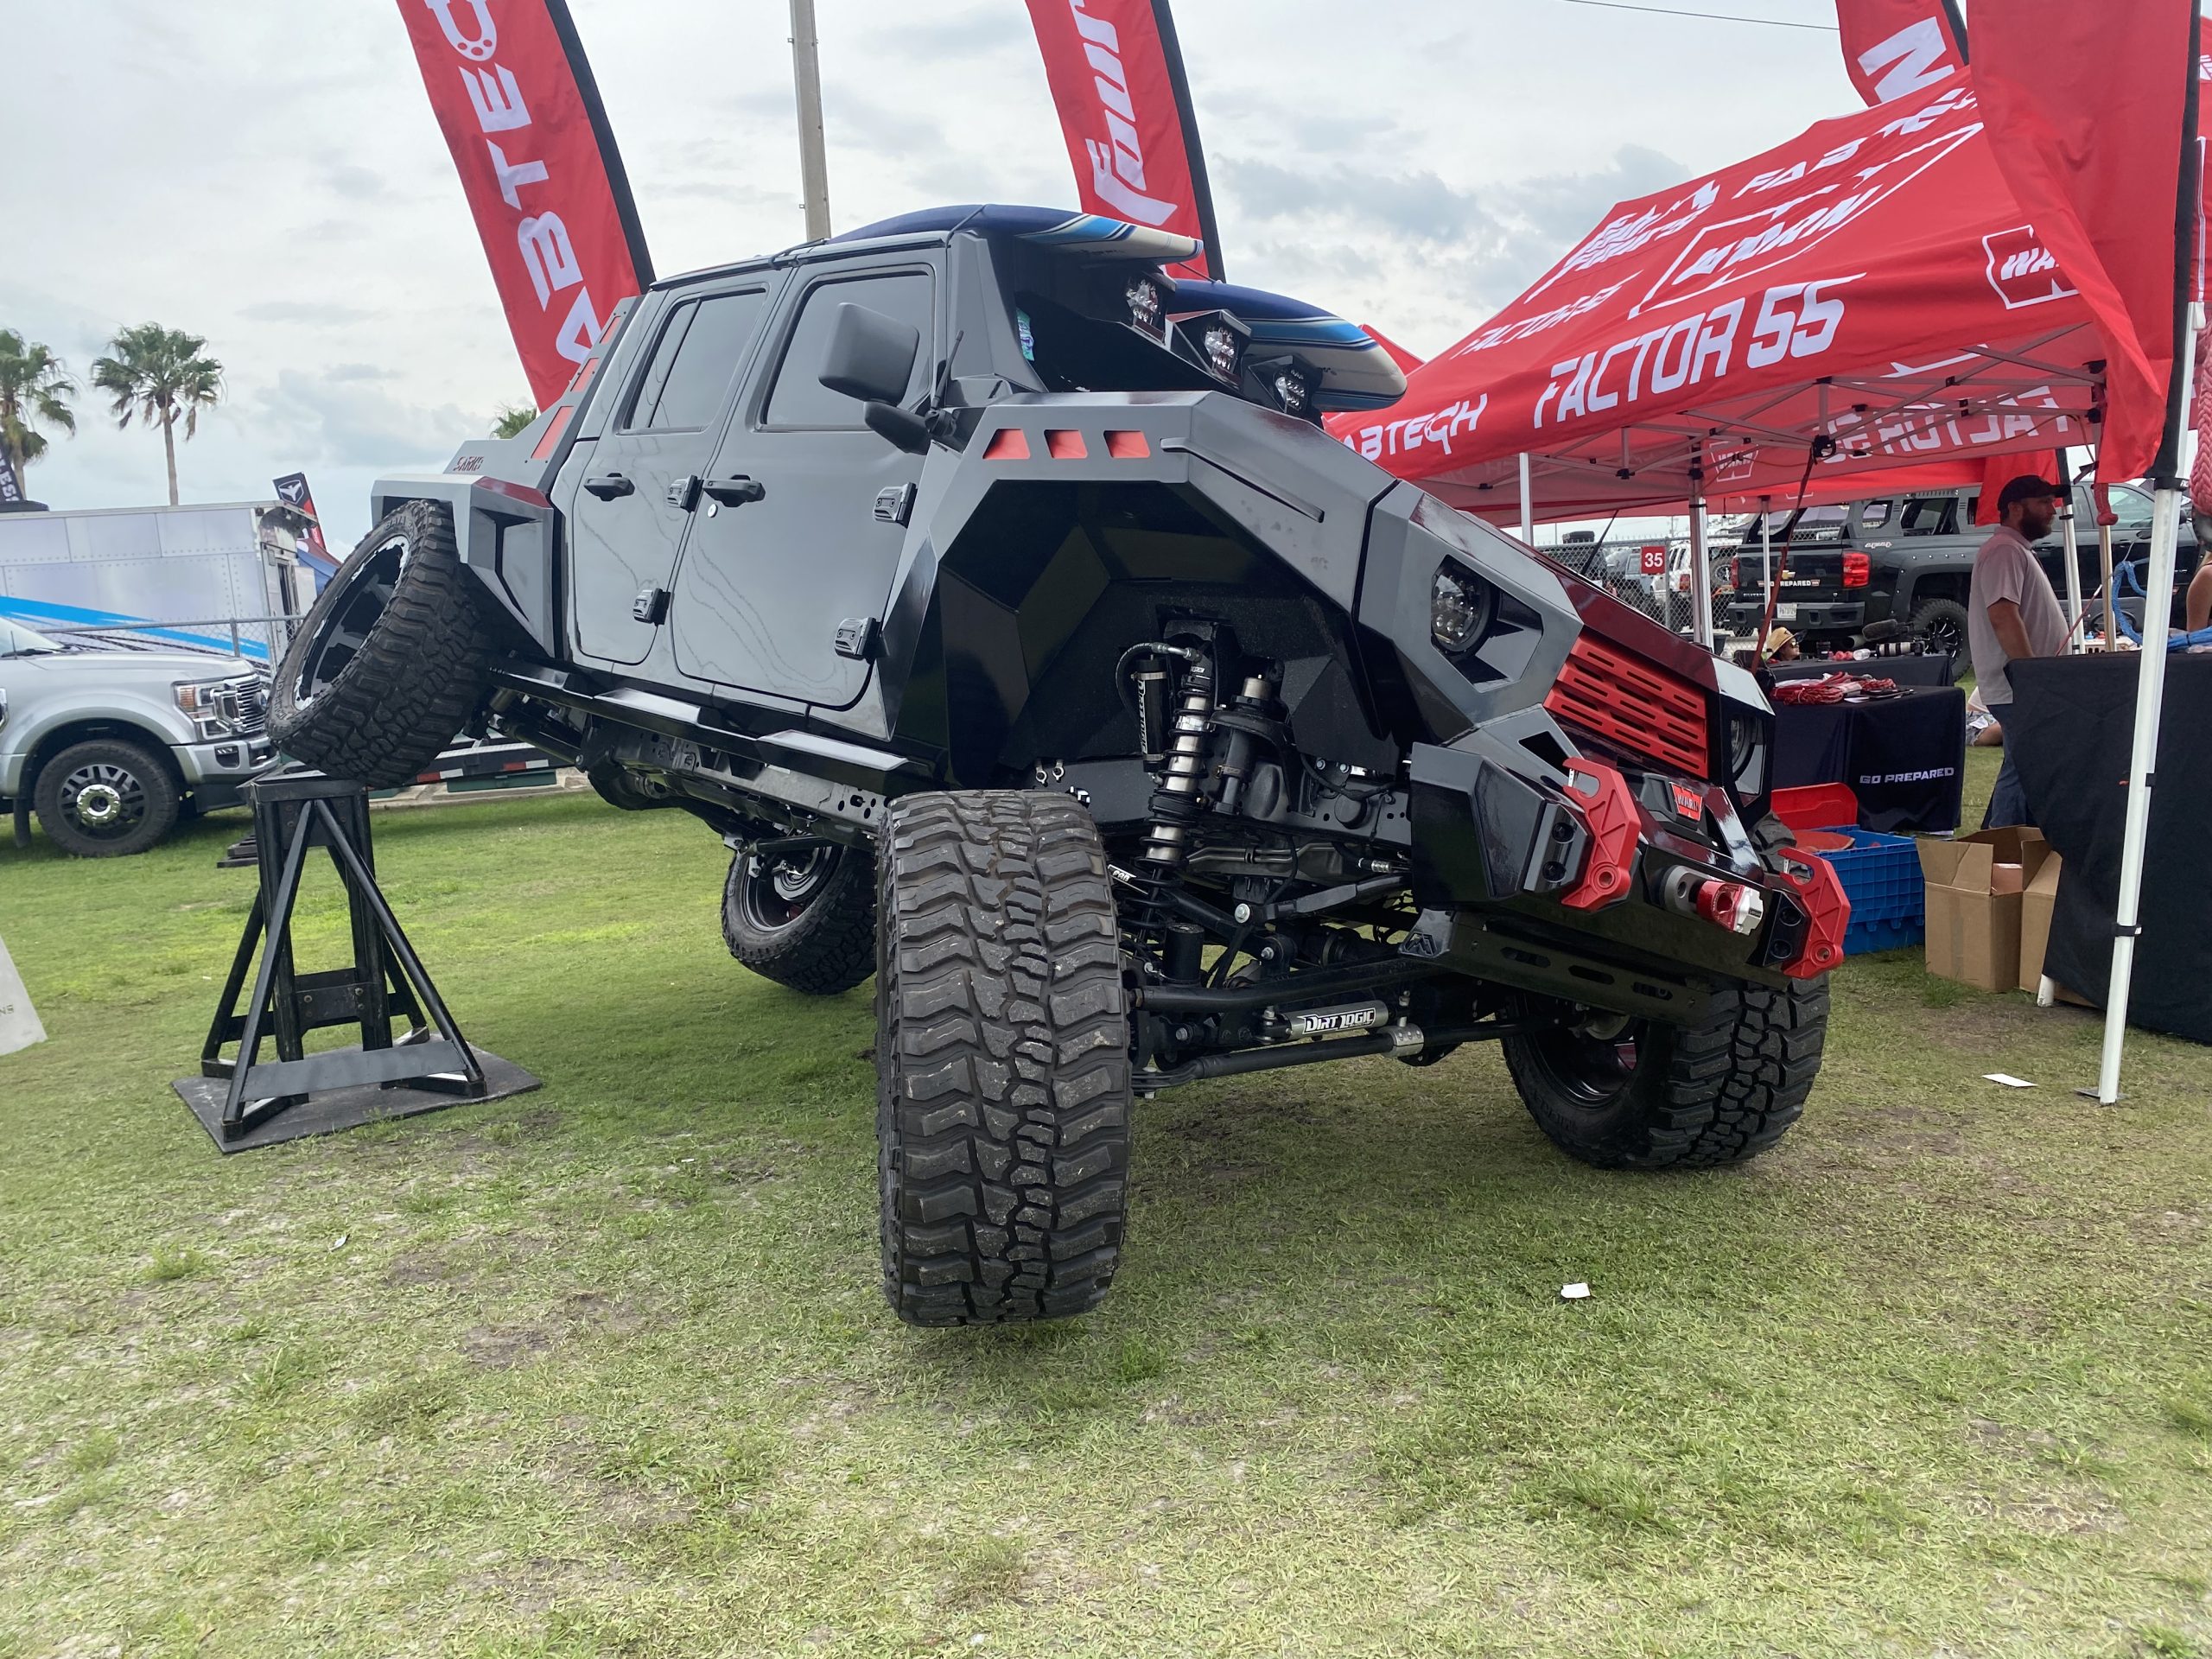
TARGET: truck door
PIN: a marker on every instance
(788, 546)
(638, 481)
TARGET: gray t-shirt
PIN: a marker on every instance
(2005, 569)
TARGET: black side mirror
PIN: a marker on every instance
(870, 356)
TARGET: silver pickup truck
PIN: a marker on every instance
(112, 747)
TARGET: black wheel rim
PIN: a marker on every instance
(774, 895)
(1944, 634)
(364, 596)
(1591, 1069)
(103, 801)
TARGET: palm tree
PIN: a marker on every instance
(160, 374)
(32, 387)
(513, 418)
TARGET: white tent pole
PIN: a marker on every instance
(2076, 621)
(1701, 572)
(1766, 565)
(1527, 502)
(2150, 692)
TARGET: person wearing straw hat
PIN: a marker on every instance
(2013, 612)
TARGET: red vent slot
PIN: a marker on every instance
(1630, 704)
(1007, 443)
(1065, 445)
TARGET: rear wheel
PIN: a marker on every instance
(392, 658)
(1943, 624)
(1002, 1054)
(106, 799)
(1635, 1094)
(807, 920)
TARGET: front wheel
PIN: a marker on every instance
(1002, 1059)
(1635, 1094)
(107, 798)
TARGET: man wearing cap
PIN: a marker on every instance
(2012, 612)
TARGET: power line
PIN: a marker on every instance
(1716, 16)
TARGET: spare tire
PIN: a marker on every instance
(391, 661)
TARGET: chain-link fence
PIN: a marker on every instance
(1651, 575)
(259, 639)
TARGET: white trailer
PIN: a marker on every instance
(226, 578)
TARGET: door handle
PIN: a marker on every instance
(609, 486)
(736, 490)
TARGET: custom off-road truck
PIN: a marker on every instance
(1003, 605)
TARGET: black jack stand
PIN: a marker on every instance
(249, 1102)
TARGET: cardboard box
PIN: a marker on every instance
(1974, 929)
(2036, 907)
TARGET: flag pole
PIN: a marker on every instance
(813, 161)
(1527, 502)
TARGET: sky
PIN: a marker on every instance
(267, 174)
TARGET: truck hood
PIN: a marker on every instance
(167, 666)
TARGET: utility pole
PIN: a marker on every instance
(813, 164)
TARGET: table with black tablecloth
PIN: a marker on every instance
(1903, 756)
(1925, 667)
(2072, 729)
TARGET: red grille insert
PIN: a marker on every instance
(1626, 701)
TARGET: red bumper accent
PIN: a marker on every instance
(1828, 911)
(1609, 812)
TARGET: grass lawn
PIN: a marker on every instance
(605, 1369)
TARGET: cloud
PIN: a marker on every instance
(340, 416)
(354, 183)
(313, 313)
(962, 35)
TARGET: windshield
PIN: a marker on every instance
(1804, 520)
(17, 640)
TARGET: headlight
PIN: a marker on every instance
(1147, 305)
(1291, 391)
(1221, 347)
(220, 708)
(1460, 606)
(1747, 750)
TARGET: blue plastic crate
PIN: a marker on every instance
(1889, 897)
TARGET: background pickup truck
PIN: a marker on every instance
(112, 747)
(1911, 558)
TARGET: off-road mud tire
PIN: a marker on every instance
(826, 947)
(1718, 1091)
(1002, 1054)
(1943, 621)
(418, 671)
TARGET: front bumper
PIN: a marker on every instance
(1636, 892)
(215, 771)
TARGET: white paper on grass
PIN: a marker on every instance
(2007, 1079)
(19, 1026)
(1574, 1292)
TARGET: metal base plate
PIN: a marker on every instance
(343, 1109)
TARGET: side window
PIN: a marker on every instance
(798, 398)
(1875, 514)
(1930, 515)
(702, 346)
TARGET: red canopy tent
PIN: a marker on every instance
(1700, 340)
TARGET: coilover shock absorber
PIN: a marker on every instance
(1179, 800)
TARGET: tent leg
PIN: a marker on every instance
(1700, 572)
(2046, 992)
(1528, 503)
(2150, 692)
(2076, 621)
(1766, 563)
